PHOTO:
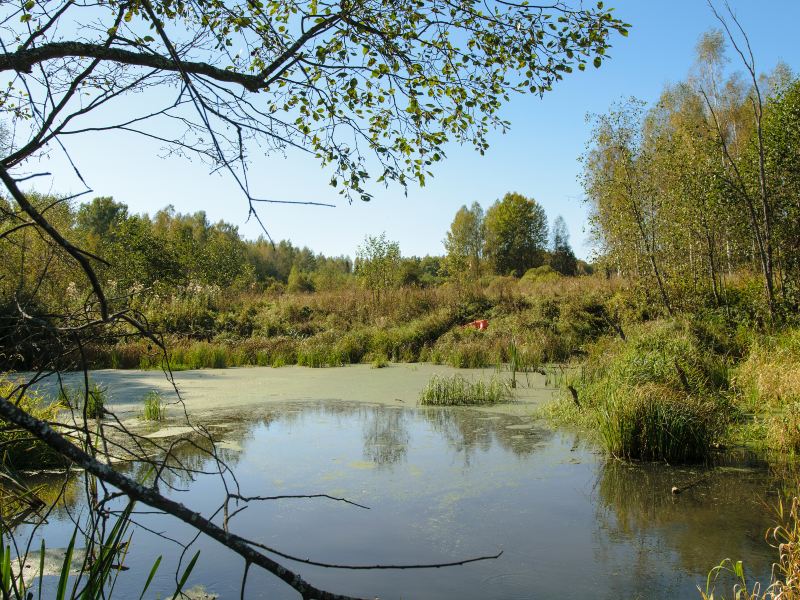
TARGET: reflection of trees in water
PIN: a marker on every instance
(385, 435)
(385, 430)
(26, 500)
(724, 515)
(468, 431)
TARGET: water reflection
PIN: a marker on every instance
(29, 499)
(385, 435)
(448, 483)
(635, 503)
(468, 431)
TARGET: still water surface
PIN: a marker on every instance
(449, 484)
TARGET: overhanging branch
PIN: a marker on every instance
(24, 60)
(152, 498)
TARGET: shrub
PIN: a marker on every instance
(542, 273)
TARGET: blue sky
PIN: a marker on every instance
(537, 158)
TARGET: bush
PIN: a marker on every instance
(542, 273)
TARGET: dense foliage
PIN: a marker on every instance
(700, 186)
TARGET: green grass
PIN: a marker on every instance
(155, 409)
(458, 391)
(90, 402)
(18, 449)
(660, 395)
(654, 423)
(379, 362)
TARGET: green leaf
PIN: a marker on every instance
(186, 574)
(150, 576)
(64, 577)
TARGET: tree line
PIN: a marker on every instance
(170, 249)
(703, 185)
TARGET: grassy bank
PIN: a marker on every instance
(19, 450)
(547, 321)
(677, 389)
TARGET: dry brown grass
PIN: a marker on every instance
(770, 376)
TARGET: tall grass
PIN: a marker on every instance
(89, 401)
(458, 391)
(550, 322)
(660, 395)
(18, 449)
(96, 577)
(656, 423)
(155, 409)
(770, 375)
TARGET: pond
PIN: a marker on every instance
(448, 484)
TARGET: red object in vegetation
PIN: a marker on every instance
(480, 324)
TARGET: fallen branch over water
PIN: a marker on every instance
(151, 497)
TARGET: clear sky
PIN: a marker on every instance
(537, 158)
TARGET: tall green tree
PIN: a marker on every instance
(619, 181)
(515, 230)
(782, 155)
(464, 243)
(100, 216)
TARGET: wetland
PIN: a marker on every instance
(441, 484)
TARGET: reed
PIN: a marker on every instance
(655, 423)
(155, 409)
(660, 395)
(459, 391)
(89, 401)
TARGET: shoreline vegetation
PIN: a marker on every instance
(646, 385)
